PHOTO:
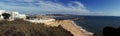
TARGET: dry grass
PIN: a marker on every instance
(24, 28)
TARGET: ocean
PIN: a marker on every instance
(94, 24)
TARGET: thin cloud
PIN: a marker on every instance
(42, 6)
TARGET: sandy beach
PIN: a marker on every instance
(70, 26)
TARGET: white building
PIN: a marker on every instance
(1, 17)
(41, 20)
(8, 15)
(11, 15)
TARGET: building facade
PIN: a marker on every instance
(9, 15)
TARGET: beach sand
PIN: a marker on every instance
(70, 26)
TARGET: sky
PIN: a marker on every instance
(77, 7)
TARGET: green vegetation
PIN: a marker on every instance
(24, 28)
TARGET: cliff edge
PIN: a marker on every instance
(24, 28)
(70, 26)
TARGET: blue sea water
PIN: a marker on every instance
(95, 24)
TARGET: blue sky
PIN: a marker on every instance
(79, 7)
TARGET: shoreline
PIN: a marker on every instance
(81, 29)
(69, 25)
